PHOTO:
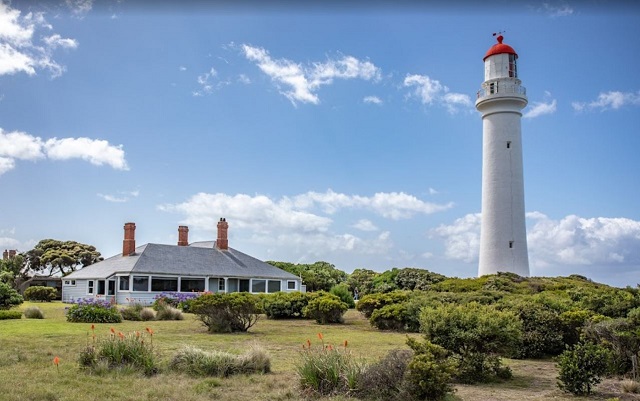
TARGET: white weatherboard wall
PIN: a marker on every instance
(503, 237)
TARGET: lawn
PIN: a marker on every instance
(28, 346)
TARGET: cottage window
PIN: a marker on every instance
(140, 283)
(192, 284)
(258, 286)
(291, 285)
(111, 287)
(124, 283)
(101, 287)
(70, 282)
(221, 285)
(90, 287)
(164, 284)
(274, 285)
(243, 285)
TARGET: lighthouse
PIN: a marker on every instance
(503, 234)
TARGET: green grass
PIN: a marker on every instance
(28, 346)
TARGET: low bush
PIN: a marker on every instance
(147, 314)
(429, 373)
(368, 303)
(390, 317)
(630, 386)
(169, 313)
(10, 314)
(40, 293)
(226, 313)
(132, 312)
(9, 297)
(179, 300)
(196, 362)
(93, 311)
(123, 352)
(285, 305)
(542, 331)
(33, 312)
(328, 370)
(383, 380)
(620, 336)
(582, 367)
(326, 308)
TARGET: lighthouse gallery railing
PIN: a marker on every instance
(493, 88)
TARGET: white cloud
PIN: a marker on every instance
(182, 68)
(95, 151)
(124, 196)
(80, 7)
(609, 100)
(19, 52)
(206, 82)
(393, 205)
(243, 79)
(557, 11)
(56, 40)
(22, 146)
(433, 191)
(301, 82)
(571, 241)
(430, 91)
(372, 99)
(538, 109)
(365, 225)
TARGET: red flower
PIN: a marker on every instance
(320, 336)
(345, 343)
(113, 331)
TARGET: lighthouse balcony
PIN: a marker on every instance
(501, 88)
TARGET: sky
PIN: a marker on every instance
(332, 131)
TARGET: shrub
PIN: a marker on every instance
(179, 300)
(390, 317)
(10, 314)
(147, 314)
(620, 337)
(285, 305)
(542, 331)
(383, 379)
(368, 303)
(581, 367)
(132, 312)
(122, 352)
(225, 313)
(9, 297)
(474, 333)
(196, 362)
(342, 291)
(33, 312)
(630, 386)
(93, 311)
(328, 370)
(326, 308)
(40, 293)
(169, 313)
(429, 373)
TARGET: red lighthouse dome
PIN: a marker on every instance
(500, 48)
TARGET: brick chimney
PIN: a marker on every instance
(183, 236)
(5, 255)
(12, 253)
(222, 242)
(129, 243)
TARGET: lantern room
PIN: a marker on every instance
(500, 61)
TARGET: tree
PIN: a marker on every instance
(582, 367)
(9, 297)
(11, 270)
(51, 257)
(320, 276)
(362, 279)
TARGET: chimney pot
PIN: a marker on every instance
(5, 255)
(222, 242)
(129, 243)
(183, 236)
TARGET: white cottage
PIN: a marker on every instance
(141, 273)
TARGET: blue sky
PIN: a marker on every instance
(338, 133)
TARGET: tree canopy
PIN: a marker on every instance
(51, 257)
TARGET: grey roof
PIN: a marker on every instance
(199, 259)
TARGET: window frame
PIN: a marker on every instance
(295, 285)
(91, 287)
(133, 283)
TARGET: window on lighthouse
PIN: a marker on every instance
(513, 70)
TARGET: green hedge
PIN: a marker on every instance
(10, 314)
(326, 308)
(40, 293)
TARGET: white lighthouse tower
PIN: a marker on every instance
(503, 235)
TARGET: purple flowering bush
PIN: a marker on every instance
(179, 300)
(90, 310)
